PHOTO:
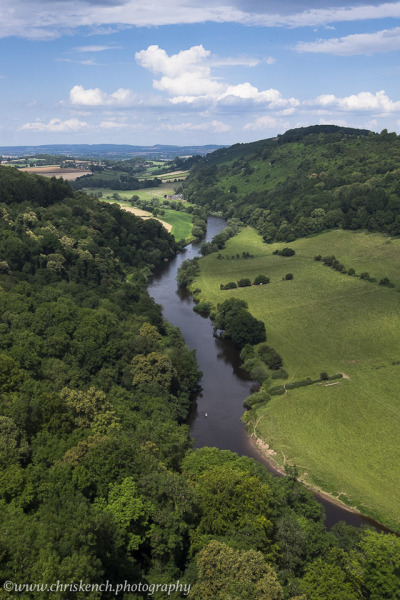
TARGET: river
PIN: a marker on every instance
(224, 384)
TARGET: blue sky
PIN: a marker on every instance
(194, 71)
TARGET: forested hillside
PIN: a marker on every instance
(98, 482)
(305, 181)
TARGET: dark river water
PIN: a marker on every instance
(224, 384)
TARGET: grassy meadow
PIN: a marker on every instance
(181, 223)
(343, 438)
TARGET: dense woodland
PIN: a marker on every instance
(98, 480)
(304, 182)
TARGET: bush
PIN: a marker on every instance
(386, 281)
(351, 271)
(261, 279)
(324, 376)
(329, 260)
(298, 384)
(259, 372)
(270, 356)
(203, 308)
(285, 252)
(247, 352)
(277, 391)
(256, 398)
(229, 286)
(280, 374)
(288, 276)
(245, 282)
(319, 257)
(337, 376)
(364, 275)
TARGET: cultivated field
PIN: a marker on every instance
(68, 174)
(343, 438)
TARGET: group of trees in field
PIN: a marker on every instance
(332, 261)
(98, 479)
(306, 181)
(245, 282)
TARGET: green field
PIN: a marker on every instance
(344, 438)
(181, 223)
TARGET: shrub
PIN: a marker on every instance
(270, 356)
(319, 257)
(287, 252)
(256, 398)
(259, 372)
(289, 276)
(329, 260)
(351, 271)
(280, 374)
(245, 282)
(324, 376)
(298, 384)
(229, 286)
(386, 281)
(277, 391)
(261, 279)
(203, 308)
(364, 275)
(247, 352)
(340, 267)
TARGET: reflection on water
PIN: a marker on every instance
(224, 385)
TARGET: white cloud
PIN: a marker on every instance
(215, 126)
(387, 40)
(184, 74)
(112, 125)
(267, 122)
(187, 77)
(362, 101)
(236, 61)
(79, 96)
(55, 125)
(43, 19)
(95, 48)
(88, 62)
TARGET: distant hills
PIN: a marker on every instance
(110, 151)
(303, 182)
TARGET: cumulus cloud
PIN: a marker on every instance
(55, 125)
(187, 77)
(41, 19)
(79, 96)
(184, 74)
(366, 101)
(386, 40)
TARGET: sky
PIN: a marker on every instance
(187, 72)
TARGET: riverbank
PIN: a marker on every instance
(342, 437)
(225, 384)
